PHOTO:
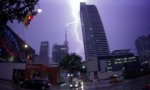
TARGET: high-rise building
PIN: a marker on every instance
(143, 47)
(94, 37)
(43, 58)
(60, 51)
(44, 48)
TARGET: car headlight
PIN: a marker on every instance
(21, 82)
(71, 85)
(49, 84)
(76, 85)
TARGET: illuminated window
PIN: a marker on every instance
(125, 58)
(109, 68)
(119, 62)
(131, 57)
(109, 63)
(90, 28)
(97, 40)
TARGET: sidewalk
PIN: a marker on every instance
(6, 81)
(102, 83)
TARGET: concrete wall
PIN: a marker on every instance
(103, 65)
(92, 65)
(106, 75)
(91, 76)
(103, 75)
(6, 69)
(41, 60)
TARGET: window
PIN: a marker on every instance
(90, 28)
(119, 62)
(109, 64)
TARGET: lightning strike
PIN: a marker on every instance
(75, 8)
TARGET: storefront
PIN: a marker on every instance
(40, 71)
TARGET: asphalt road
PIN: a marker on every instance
(135, 84)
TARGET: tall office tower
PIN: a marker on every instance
(143, 47)
(60, 51)
(95, 41)
(44, 48)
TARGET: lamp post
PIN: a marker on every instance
(25, 46)
(39, 9)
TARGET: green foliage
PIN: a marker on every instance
(15, 10)
(71, 63)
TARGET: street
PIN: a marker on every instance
(135, 84)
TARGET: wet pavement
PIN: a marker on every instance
(134, 84)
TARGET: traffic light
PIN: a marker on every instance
(27, 19)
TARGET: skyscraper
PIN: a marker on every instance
(43, 58)
(143, 47)
(60, 51)
(95, 41)
(44, 48)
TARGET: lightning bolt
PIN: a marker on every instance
(75, 8)
(75, 23)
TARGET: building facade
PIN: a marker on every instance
(13, 54)
(44, 48)
(43, 58)
(12, 47)
(60, 51)
(143, 47)
(118, 62)
(94, 37)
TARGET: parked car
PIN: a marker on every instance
(116, 79)
(113, 79)
(35, 84)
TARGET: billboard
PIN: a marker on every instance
(12, 47)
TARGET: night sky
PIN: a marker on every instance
(123, 20)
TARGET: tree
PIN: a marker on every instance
(15, 10)
(71, 63)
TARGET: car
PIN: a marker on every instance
(75, 85)
(116, 79)
(113, 79)
(35, 84)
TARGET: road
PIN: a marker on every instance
(135, 84)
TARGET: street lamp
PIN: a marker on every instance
(83, 67)
(26, 46)
(68, 75)
(39, 9)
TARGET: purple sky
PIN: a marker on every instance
(123, 20)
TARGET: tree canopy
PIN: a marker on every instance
(15, 10)
(71, 63)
